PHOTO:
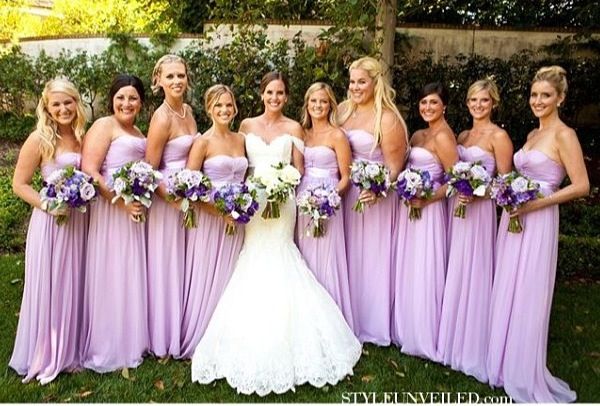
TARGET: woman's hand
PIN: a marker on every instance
(135, 209)
(465, 200)
(418, 202)
(368, 197)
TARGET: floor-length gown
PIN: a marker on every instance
(522, 294)
(371, 238)
(463, 336)
(326, 255)
(211, 256)
(115, 312)
(275, 326)
(166, 258)
(421, 268)
(47, 340)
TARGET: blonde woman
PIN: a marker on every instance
(464, 320)
(327, 158)
(47, 339)
(170, 136)
(210, 253)
(526, 261)
(376, 132)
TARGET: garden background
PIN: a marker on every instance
(348, 29)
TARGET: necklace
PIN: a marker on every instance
(182, 116)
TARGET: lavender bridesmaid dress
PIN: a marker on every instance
(370, 241)
(115, 313)
(326, 255)
(211, 256)
(522, 294)
(47, 340)
(166, 259)
(463, 336)
(421, 268)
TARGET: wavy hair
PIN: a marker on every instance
(306, 120)
(47, 127)
(383, 96)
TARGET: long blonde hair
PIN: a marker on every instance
(306, 120)
(47, 128)
(383, 96)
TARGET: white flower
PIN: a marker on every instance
(519, 184)
(119, 186)
(87, 191)
(461, 167)
(55, 176)
(413, 181)
(289, 174)
(479, 190)
(479, 172)
(372, 170)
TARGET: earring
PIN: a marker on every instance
(558, 104)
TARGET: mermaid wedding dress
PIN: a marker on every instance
(275, 326)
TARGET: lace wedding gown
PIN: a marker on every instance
(275, 326)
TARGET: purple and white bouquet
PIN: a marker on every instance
(414, 183)
(189, 186)
(319, 202)
(468, 179)
(511, 191)
(279, 182)
(371, 176)
(135, 181)
(67, 188)
(237, 200)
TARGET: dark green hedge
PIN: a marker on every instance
(579, 256)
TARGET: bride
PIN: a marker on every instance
(275, 327)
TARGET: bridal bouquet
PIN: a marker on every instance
(319, 203)
(67, 188)
(237, 200)
(135, 181)
(189, 186)
(511, 191)
(279, 182)
(371, 176)
(468, 179)
(413, 183)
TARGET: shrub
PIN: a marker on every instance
(579, 256)
(14, 215)
(580, 220)
(15, 128)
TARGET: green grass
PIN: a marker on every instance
(574, 356)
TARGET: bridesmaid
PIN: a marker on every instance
(327, 158)
(47, 339)
(170, 137)
(421, 250)
(464, 327)
(378, 133)
(526, 261)
(211, 254)
(115, 312)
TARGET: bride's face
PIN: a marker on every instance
(274, 97)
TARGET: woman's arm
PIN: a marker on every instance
(158, 136)
(393, 144)
(297, 131)
(28, 161)
(571, 155)
(341, 145)
(503, 151)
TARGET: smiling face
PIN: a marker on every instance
(62, 108)
(480, 104)
(274, 96)
(126, 104)
(361, 86)
(173, 79)
(431, 108)
(319, 105)
(544, 98)
(223, 110)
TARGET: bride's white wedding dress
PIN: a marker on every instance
(275, 326)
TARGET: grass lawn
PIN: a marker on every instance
(574, 356)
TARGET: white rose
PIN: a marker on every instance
(289, 174)
(372, 170)
(461, 167)
(413, 181)
(479, 172)
(119, 186)
(479, 190)
(519, 184)
(87, 191)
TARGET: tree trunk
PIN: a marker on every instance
(385, 32)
